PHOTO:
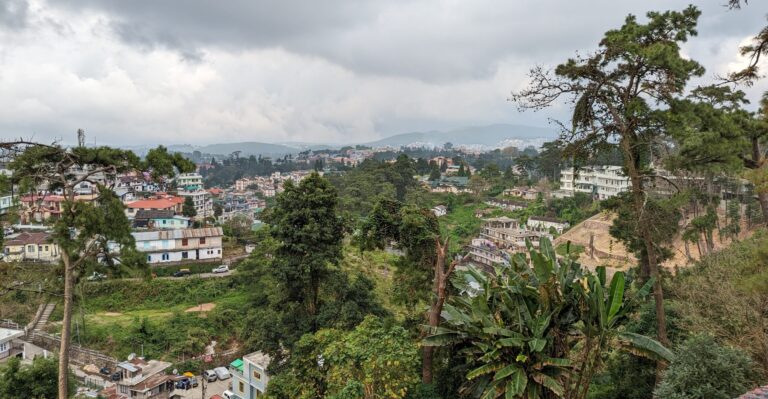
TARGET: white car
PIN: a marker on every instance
(228, 394)
(222, 373)
(220, 269)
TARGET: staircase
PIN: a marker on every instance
(43, 320)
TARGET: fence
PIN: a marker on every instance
(77, 354)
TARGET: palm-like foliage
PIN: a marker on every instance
(537, 328)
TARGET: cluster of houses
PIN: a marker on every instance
(269, 186)
(160, 229)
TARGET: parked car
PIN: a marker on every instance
(182, 273)
(216, 397)
(105, 371)
(183, 383)
(228, 394)
(193, 382)
(220, 269)
(210, 375)
(96, 276)
(117, 376)
(222, 373)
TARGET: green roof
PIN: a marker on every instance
(238, 364)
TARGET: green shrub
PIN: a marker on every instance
(705, 369)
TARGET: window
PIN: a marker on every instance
(202, 240)
(30, 248)
(39, 248)
(4, 347)
(166, 256)
(241, 386)
(149, 258)
(185, 255)
(184, 242)
(46, 248)
(256, 375)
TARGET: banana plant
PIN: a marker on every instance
(520, 326)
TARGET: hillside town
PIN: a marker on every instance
(383, 200)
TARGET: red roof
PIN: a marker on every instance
(165, 203)
(215, 191)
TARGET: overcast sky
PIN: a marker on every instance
(201, 71)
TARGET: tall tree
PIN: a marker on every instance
(309, 233)
(188, 208)
(425, 268)
(85, 230)
(615, 92)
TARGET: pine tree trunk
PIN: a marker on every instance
(66, 328)
(762, 197)
(638, 196)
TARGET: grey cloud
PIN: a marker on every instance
(430, 40)
(14, 13)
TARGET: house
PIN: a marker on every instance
(507, 205)
(526, 193)
(507, 234)
(6, 203)
(42, 207)
(450, 184)
(545, 223)
(159, 219)
(31, 246)
(141, 379)
(160, 203)
(249, 375)
(440, 210)
(485, 252)
(180, 245)
(10, 346)
(601, 182)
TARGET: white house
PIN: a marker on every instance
(180, 245)
(600, 181)
(544, 223)
(8, 347)
(249, 375)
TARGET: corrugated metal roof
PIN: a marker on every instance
(178, 234)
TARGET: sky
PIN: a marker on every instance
(146, 72)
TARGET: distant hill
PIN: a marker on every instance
(491, 135)
(248, 148)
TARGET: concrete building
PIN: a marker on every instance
(180, 245)
(249, 376)
(507, 234)
(141, 379)
(30, 246)
(601, 182)
(6, 203)
(485, 252)
(189, 182)
(545, 223)
(162, 219)
(10, 345)
(202, 201)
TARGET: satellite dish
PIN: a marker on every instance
(175, 371)
(131, 356)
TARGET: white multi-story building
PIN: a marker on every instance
(180, 245)
(189, 182)
(202, 201)
(249, 376)
(600, 181)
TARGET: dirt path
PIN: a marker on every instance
(205, 307)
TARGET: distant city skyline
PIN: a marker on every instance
(198, 72)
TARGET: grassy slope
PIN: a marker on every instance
(726, 294)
